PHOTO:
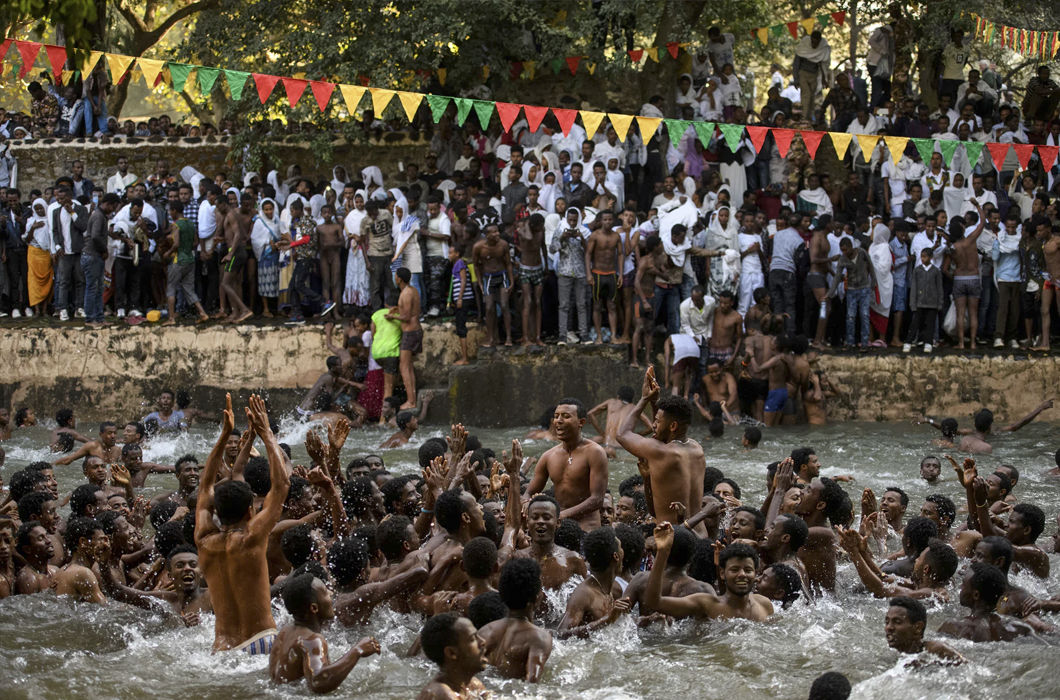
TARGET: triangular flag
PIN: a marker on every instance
(463, 108)
(178, 74)
(566, 118)
(294, 87)
(620, 123)
(591, 68)
(793, 29)
(925, 147)
(636, 54)
(648, 126)
(839, 17)
(998, 151)
(380, 99)
(676, 129)
(758, 136)
(57, 57)
(236, 79)
(516, 70)
(351, 95)
(824, 20)
(207, 77)
(534, 116)
(812, 139)
(947, 147)
(438, 105)
(653, 53)
(4, 46)
(733, 133)
(867, 144)
(777, 31)
(1024, 151)
(763, 34)
(896, 145)
(672, 47)
(783, 138)
(556, 64)
(119, 65)
(29, 51)
(508, 113)
(442, 72)
(1048, 156)
(322, 91)
(265, 84)
(90, 62)
(591, 122)
(974, 149)
(705, 132)
(807, 24)
(572, 63)
(150, 68)
(484, 111)
(410, 101)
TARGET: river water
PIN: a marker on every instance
(51, 648)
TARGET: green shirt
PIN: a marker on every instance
(386, 342)
(186, 239)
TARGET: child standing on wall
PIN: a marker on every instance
(463, 296)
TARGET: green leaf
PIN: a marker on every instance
(236, 80)
(705, 132)
(438, 104)
(178, 73)
(207, 77)
(676, 128)
(925, 147)
(732, 133)
(484, 110)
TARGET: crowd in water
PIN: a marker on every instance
(475, 543)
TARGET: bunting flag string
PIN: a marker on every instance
(807, 24)
(1038, 43)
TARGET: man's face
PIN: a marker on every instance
(607, 510)
(576, 172)
(739, 574)
(931, 511)
(742, 526)
(901, 633)
(98, 545)
(930, 469)
(471, 657)
(49, 516)
(668, 185)
(40, 546)
(566, 423)
(774, 537)
(132, 459)
(188, 476)
(663, 427)
(493, 234)
(95, 470)
(123, 165)
(725, 304)
(78, 168)
(543, 522)
(118, 504)
(625, 511)
(410, 500)
(50, 484)
(792, 498)
(126, 538)
(184, 569)
(891, 505)
(232, 446)
(129, 434)
(1017, 531)
(374, 462)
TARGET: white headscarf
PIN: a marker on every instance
(723, 238)
(882, 260)
(684, 214)
(404, 225)
(248, 177)
(239, 195)
(191, 176)
(285, 215)
(337, 184)
(549, 193)
(373, 182)
(42, 237)
(354, 217)
(265, 230)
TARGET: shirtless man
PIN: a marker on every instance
(1051, 286)
(532, 268)
(331, 243)
(1025, 524)
(557, 563)
(820, 503)
(737, 568)
(720, 385)
(753, 385)
(232, 554)
(975, 441)
(616, 410)
(981, 589)
(779, 368)
(493, 263)
(106, 447)
(515, 645)
(187, 598)
(817, 281)
(930, 577)
(236, 231)
(595, 603)
(904, 625)
(88, 546)
(630, 242)
(300, 650)
(66, 423)
(643, 309)
(406, 428)
(728, 329)
(781, 543)
(36, 548)
(408, 314)
(603, 266)
(671, 463)
(967, 284)
(676, 581)
(452, 642)
(577, 467)
(7, 562)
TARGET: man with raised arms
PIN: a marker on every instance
(616, 409)
(232, 555)
(671, 463)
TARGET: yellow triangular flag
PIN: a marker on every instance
(653, 53)
(591, 122)
(119, 65)
(411, 102)
(896, 145)
(441, 75)
(380, 99)
(621, 124)
(67, 75)
(150, 68)
(592, 68)
(763, 34)
(841, 142)
(867, 142)
(807, 24)
(648, 125)
(528, 69)
(352, 94)
(90, 62)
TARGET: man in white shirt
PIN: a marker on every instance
(436, 233)
(611, 148)
(207, 221)
(720, 48)
(121, 180)
(977, 93)
(931, 238)
(697, 320)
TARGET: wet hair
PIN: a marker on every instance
(984, 418)
(83, 496)
(801, 455)
(25, 481)
(538, 498)
(169, 536)
(835, 499)
(298, 594)
(356, 463)
(63, 417)
(64, 442)
(297, 544)
(625, 393)
(347, 559)
(487, 607)
(832, 685)
(428, 451)
(948, 426)
(599, 546)
(569, 534)
(702, 567)
(232, 500)
(392, 491)
(448, 510)
(999, 547)
(791, 581)
(902, 496)
(480, 557)
(919, 531)
(1014, 478)
(914, 609)
(946, 508)
(192, 458)
(403, 419)
(106, 521)
(735, 487)
(257, 476)
(78, 528)
(737, 551)
(632, 540)
(298, 487)
(716, 427)
(573, 402)
(1005, 484)
(640, 503)
(677, 408)
(31, 506)
(752, 435)
(391, 534)
(161, 512)
(1032, 517)
(683, 548)
(438, 633)
(357, 496)
(520, 583)
(989, 582)
(794, 527)
(711, 477)
(943, 560)
(22, 536)
(629, 485)
(760, 518)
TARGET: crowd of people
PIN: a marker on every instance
(470, 541)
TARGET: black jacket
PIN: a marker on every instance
(77, 229)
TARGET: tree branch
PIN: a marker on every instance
(158, 32)
(131, 18)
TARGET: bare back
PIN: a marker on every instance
(237, 574)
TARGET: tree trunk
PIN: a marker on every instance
(855, 32)
(674, 22)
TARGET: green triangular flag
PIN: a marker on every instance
(925, 147)
(178, 73)
(556, 64)
(973, 149)
(207, 77)
(947, 147)
(824, 20)
(236, 80)
(676, 128)
(484, 110)
(463, 108)
(705, 132)
(732, 133)
(777, 30)
(438, 104)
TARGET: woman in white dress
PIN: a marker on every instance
(265, 239)
(355, 291)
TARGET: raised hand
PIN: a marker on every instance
(785, 475)
(849, 539)
(318, 477)
(258, 416)
(650, 388)
(190, 619)
(959, 469)
(228, 416)
(338, 431)
(621, 606)
(119, 475)
(979, 488)
(457, 440)
(247, 436)
(516, 460)
(664, 536)
(498, 481)
(316, 448)
(868, 503)
(680, 509)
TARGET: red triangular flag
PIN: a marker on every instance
(534, 115)
(1024, 151)
(4, 46)
(363, 80)
(783, 138)
(673, 47)
(292, 86)
(812, 139)
(793, 27)
(517, 69)
(322, 92)
(758, 136)
(29, 51)
(839, 17)
(507, 112)
(265, 84)
(566, 119)
(1048, 156)
(636, 55)
(57, 57)
(998, 151)
(572, 63)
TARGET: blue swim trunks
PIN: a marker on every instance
(776, 399)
